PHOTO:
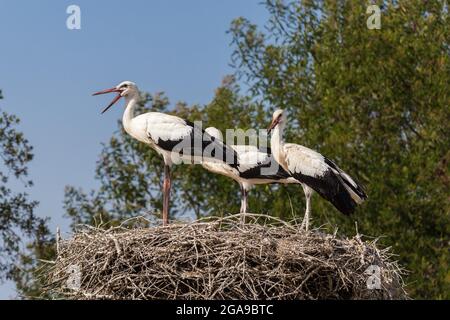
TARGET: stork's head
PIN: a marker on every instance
(214, 132)
(279, 119)
(126, 89)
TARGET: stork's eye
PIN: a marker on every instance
(124, 86)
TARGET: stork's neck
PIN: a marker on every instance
(276, 143)
(128, 115)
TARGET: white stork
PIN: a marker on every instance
(174, 138)
(316, 171)
(250, 171)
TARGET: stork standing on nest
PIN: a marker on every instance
(172, 137)
(254, 168)
(314, 170)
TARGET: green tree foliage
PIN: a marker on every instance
(375, 101)
(18, 224)
(29, 270)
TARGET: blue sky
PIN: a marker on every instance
(48, 72)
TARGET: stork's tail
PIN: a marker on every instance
(354, 188)
(337, 187)
(344, 201)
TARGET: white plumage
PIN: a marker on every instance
(161, 131)
(302, 159)
(314, 170)
(249, 172)
(179, 140)
(166, 127)
(174, 138)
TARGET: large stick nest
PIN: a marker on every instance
(221, 258)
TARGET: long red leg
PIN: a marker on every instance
(166, 191)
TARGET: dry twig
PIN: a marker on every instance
(222, 258)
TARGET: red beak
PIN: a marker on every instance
(110, 91)
(273, 125)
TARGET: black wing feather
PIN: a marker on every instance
(256, 172)
(196, 142)
(359, 189)
(331, 188)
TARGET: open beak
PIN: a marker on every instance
(117, 98)
(273, 125)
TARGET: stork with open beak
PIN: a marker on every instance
(176, 139)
